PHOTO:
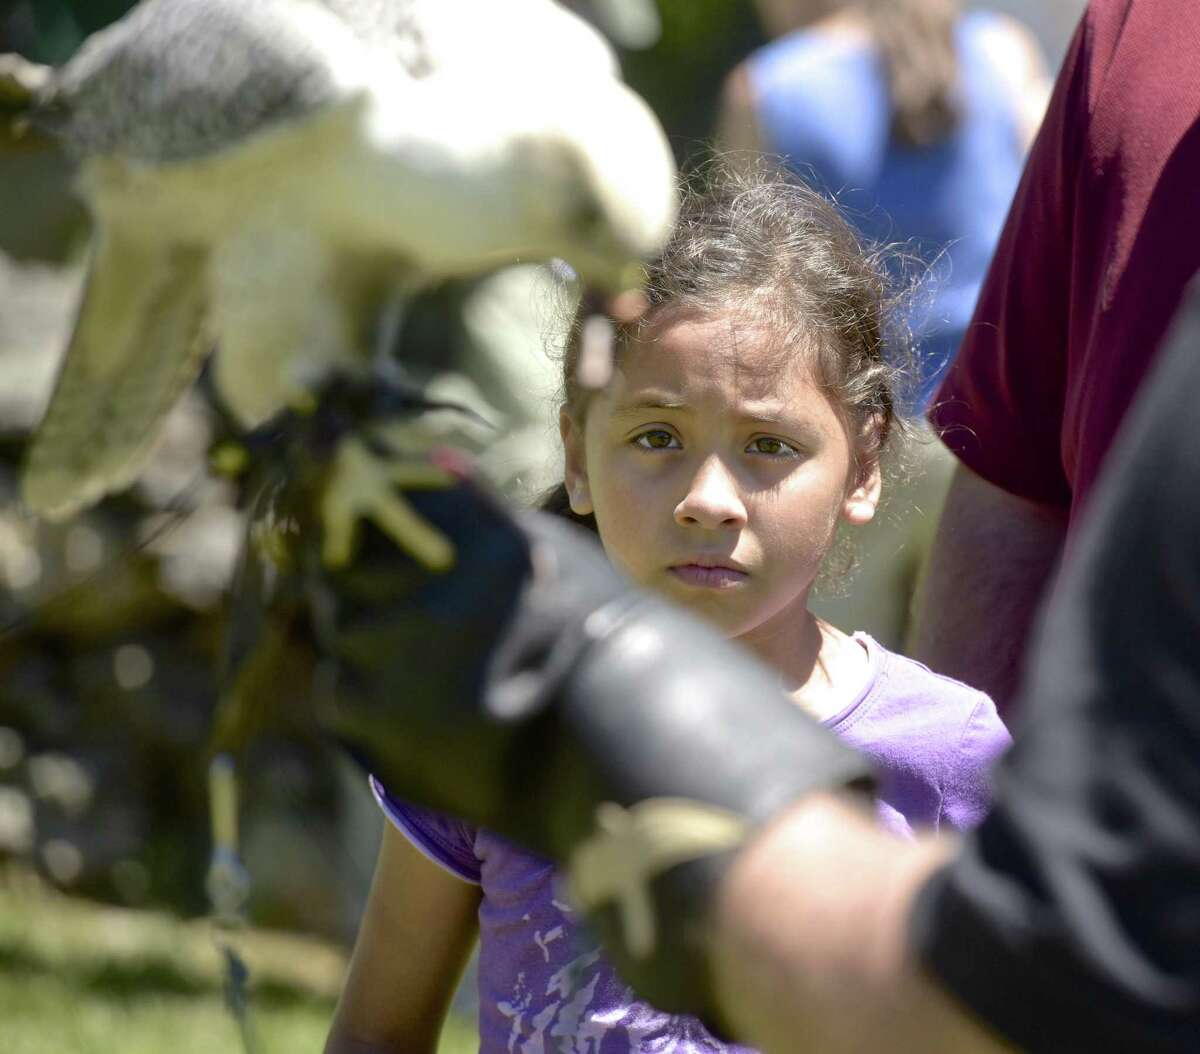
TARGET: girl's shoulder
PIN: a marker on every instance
(900, 688)
(505, 870)
(926, 730)
(443, 839)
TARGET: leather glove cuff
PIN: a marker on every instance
(691, 746)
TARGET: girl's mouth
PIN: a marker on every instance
(708, 577)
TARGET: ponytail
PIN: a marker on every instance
(916, 41)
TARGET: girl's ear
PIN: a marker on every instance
(574, 463)
(862, 499)
(859, 505)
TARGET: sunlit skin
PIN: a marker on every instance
(718, 477)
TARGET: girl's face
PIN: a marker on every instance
(715, 477)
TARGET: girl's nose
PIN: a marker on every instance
(712, 500)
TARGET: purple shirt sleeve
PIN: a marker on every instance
(967, 790)
(933, 741)
(448, 842)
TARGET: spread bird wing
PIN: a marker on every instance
(178, 80)
(137, 344)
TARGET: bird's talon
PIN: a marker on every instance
(426, 544)
(364, 485)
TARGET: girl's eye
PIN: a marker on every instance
(656, 439)
(772, 447)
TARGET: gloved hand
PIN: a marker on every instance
(530, 689)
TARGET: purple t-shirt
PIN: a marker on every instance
(543, 984)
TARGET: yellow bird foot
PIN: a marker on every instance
(365, 485)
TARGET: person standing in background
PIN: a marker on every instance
(1098, 247)
(916, 117)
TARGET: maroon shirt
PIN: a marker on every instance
(1102, 236)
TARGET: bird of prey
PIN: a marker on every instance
(267, 177)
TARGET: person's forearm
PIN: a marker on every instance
(810, 949)
(345, 1038)
(993, 556)
(340, 1043)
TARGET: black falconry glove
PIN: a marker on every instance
(530, 689)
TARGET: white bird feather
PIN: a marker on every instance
(267, 176)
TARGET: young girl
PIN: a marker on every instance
(744, 422)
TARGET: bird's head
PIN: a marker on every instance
(614, 201)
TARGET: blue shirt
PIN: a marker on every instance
(823, 104)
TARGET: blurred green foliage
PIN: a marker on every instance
(50, 30)
(681, 76)
(75, 977)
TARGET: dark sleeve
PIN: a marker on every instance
(1000, 407)
(1071, 920)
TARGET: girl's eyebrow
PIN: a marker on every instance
(767, 413)
(650, 401)
(764, 413)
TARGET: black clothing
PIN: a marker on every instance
(1071, 921)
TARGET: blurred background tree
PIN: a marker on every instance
(681, 75)
(50, 30)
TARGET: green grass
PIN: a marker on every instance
(80, 978)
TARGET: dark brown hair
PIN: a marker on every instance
(915, 39)
(752, 240)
